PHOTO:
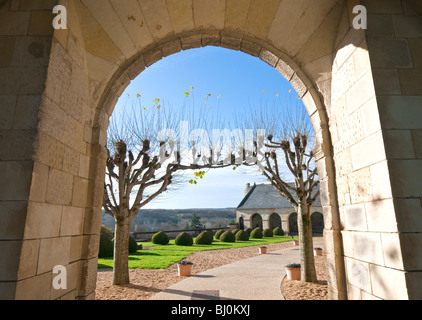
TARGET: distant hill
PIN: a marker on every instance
(150, 220)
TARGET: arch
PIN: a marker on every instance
(255, 221)
(241, 223)
(293, 227)
(274, 221)
(317, 220)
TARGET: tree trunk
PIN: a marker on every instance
(121, 252)
(307, 261)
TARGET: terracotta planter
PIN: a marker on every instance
(262, 250)
(317, 252)
(184, 270)
(296, 243)
(293, 273)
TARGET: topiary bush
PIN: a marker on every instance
(278, 232)
(160, 238)
(184, 239)
(242, 235)
(107, 231)
(218, 234)
(248, 230)
(227, 236)
(106, 246)
(268, 233)
(133, 245)
(205, 237)
(256, 233)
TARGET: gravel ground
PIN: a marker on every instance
(146, 282)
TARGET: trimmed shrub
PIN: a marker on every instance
(106, 246)
(133, 245)
(218, 234)
(234, 231)
(278, 232)
(107, 231)
(160, 238)
(248, 230)
(227, 236)
(205, 237)
(256, 233)
(242, 235)
(184, 239)
(268, 233)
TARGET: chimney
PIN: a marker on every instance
(248, 188)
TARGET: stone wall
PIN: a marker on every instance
(362, 90)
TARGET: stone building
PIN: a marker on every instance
(361, 87)
(264, 207)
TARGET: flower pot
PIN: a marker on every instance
(296, 243)
(293, 273)
(317, 252)
(184, 270)
(262, 250)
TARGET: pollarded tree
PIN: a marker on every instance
(283, 152)
(145, 157)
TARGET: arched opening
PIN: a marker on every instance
(274, 221)
(317, 220)
(241, 223)
(293, 227)
(256, 221)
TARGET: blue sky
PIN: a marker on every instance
(236, 81)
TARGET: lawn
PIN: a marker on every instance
(163, 256)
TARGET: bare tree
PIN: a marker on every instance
(146, 154)
(282, 149)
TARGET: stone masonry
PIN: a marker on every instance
(362, 89)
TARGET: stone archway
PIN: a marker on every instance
(255, 221)
(274, 221)
(361, 89)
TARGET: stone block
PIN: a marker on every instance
(18, 174)
(417, 143)
(72, 221)
(410, 80)
(14, 23)
(400, 112)
(415, 46)
(26, 115)
(404, 175)
(157, 17)
(381, 25)
(191, 42)
(9, 139)
(230, 43)
(368, 247)
(181, 15)
(12, 219)
(171, 48)
(31, 51)
(388, 284)
(399, 144)
(358, 274)
(412, 257)
(34, 288)
(59, 187)
(355, 217)
(413, 285)
(29, 259)
(368, 151)
(380, 181)
(39, 182)
(7, 47)
(80, 192)
(29, 80)
(53, 252)
(386, 81)
(408, 214)
(407, 27)
(389, 53)
(209, 14)
(9, 266)
(360, 93)
(7, 111)
(269, 57)
(381, 216)
(43, 220)
(383, 6)
(236, 13)
(40, 23)
(76, 248)
(260, 17)
(250, 47)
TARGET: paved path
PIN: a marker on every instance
(257, 278)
